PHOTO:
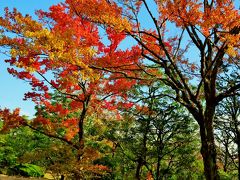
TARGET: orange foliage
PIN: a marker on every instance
(69, 58)
(11, 119)
(101, 11)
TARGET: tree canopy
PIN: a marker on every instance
(73, 58)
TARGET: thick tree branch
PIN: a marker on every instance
(53, 136)
(227, 93)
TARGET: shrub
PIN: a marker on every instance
(27, 170)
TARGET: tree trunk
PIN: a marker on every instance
(81, 140)
(158, 167)
(225, 158)
(208, 149)
(138, 170)
(81, 132)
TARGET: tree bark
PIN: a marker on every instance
(81, 133)
(208, 149)
(138, 170)
(81, 128)
(226, 157)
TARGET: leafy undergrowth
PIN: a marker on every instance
(26, 170)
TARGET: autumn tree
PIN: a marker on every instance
(57, 56)
(190, 42)
(24, 146)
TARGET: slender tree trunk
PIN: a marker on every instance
(81, 129)
(81, 141)
(225, 158)
(138, 170)
(158, 167)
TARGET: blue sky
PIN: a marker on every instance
(12, 90)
